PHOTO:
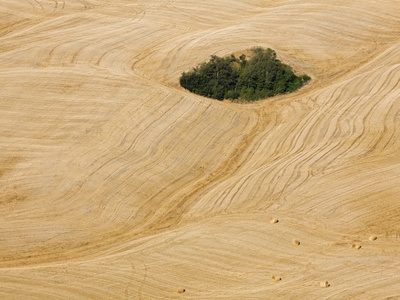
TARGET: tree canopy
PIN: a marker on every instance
(260, 76)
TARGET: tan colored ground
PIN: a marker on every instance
(115, 183)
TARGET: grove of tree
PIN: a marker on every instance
(260, 76)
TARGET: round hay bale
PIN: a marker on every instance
(356, 246)
(180, 290)
(373, 238)
(276, 278)
(273, 221)
(324, 284)
(296, 243)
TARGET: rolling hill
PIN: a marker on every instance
(116, 183)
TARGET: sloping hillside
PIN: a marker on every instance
(116, 183)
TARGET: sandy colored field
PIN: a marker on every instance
(115, 183)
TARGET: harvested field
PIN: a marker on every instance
(116, 183)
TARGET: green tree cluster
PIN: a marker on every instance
(261, 76)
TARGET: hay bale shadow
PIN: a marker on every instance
(324, 284)
(373, 238)
(273, 220)
(276, 278)
(296, 243)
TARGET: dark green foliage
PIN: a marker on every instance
(263, 75)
